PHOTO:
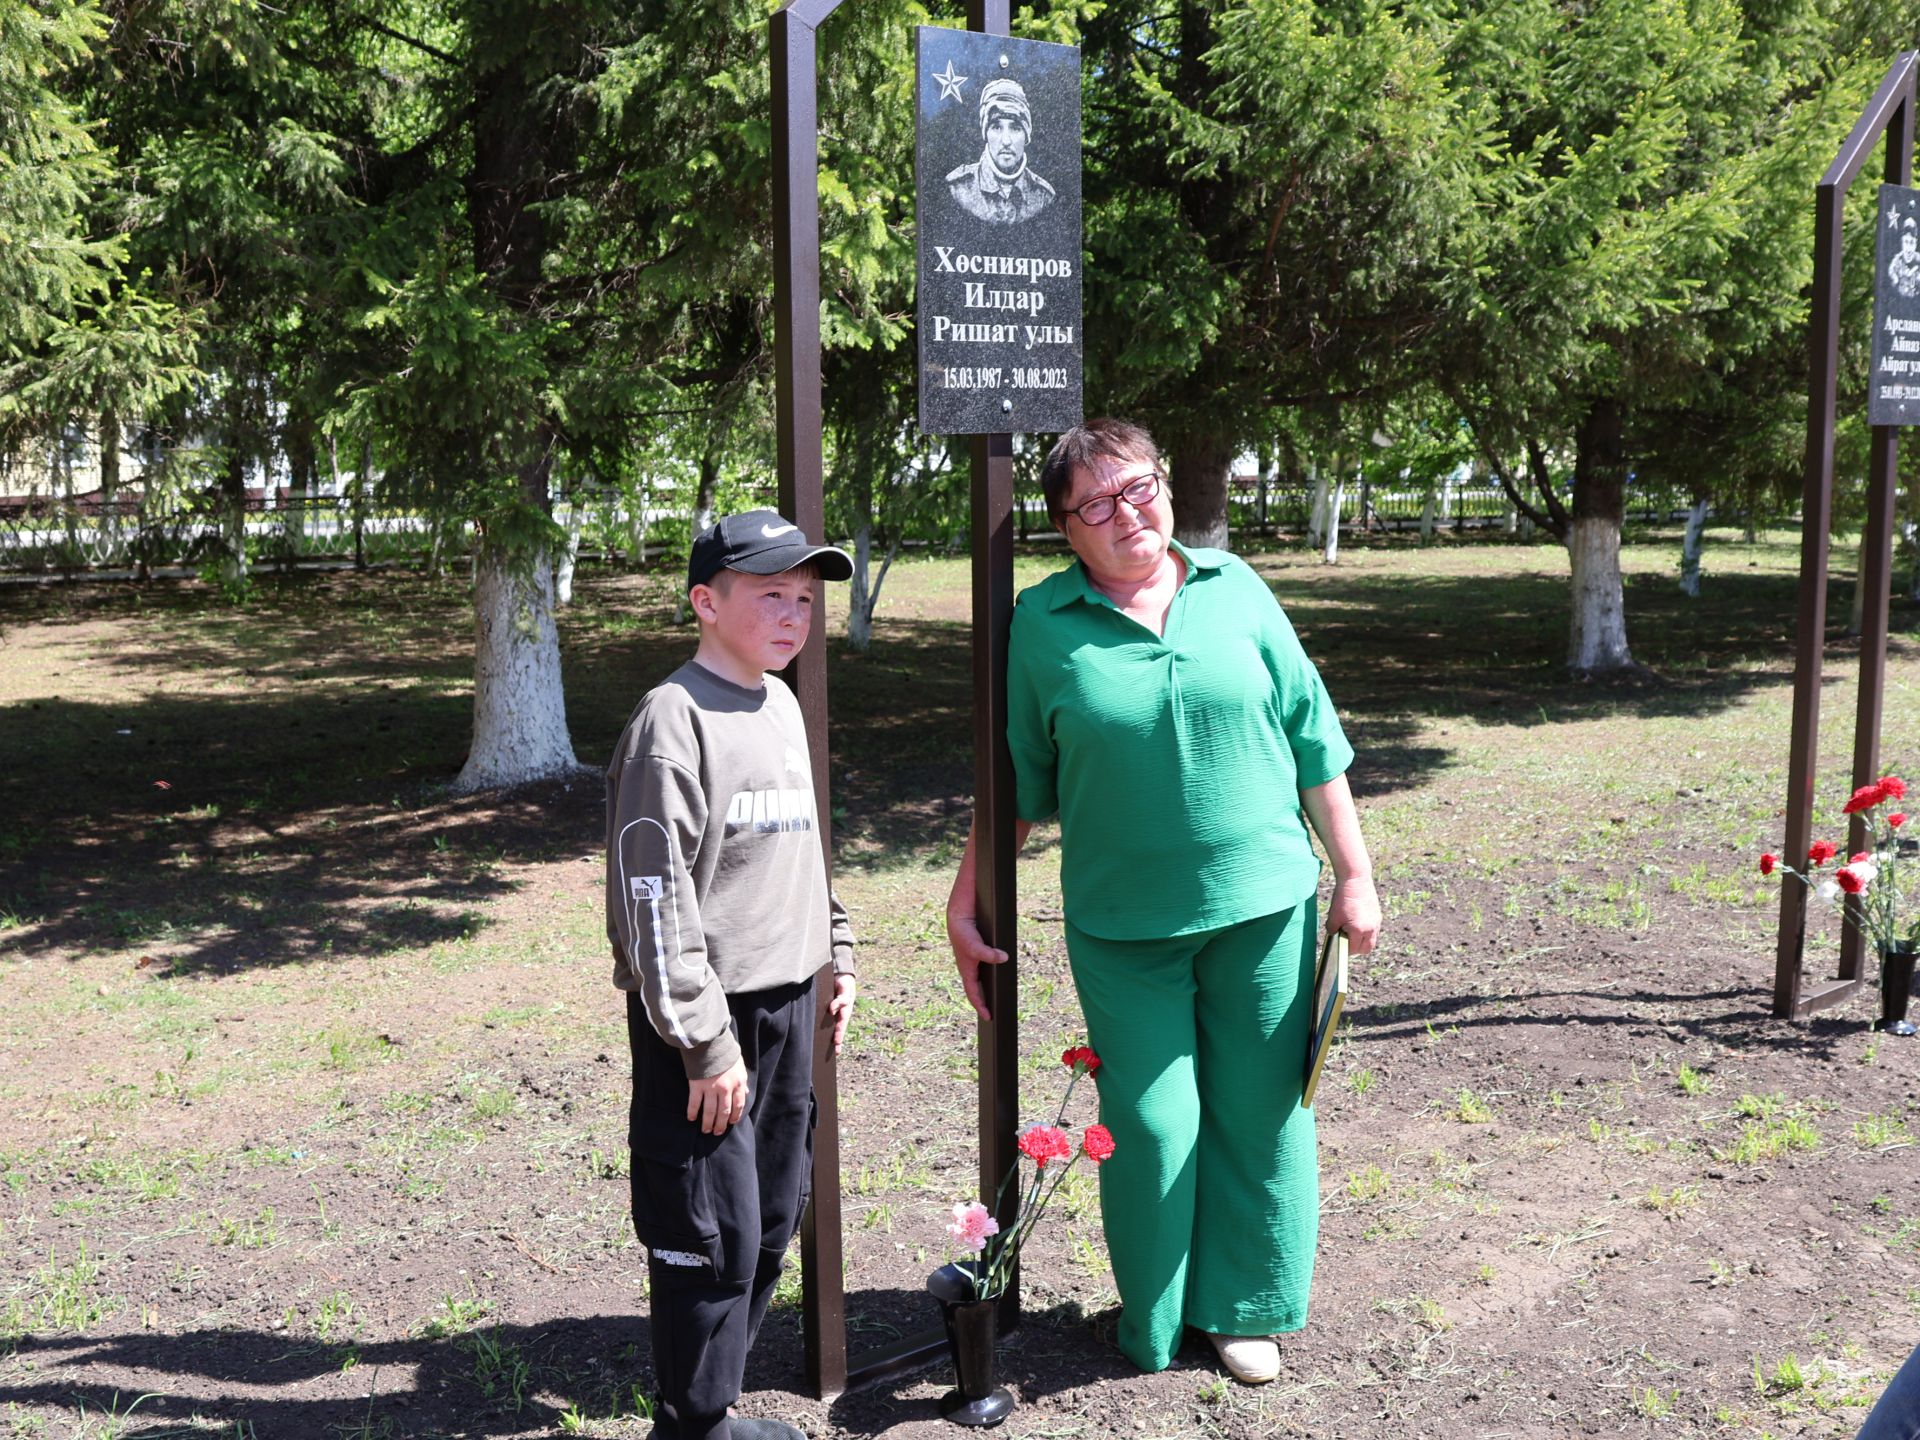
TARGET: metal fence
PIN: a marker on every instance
(1386, 508)
(51, 535)
(1397, 507)
(58, 536)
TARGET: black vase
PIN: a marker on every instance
(972, 1327)
(1896, 985)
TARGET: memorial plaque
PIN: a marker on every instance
(1893, 396)
(997, 176)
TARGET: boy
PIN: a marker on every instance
(720, 915)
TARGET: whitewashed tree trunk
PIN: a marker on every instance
(1429, 511)
(233, 564)
(1317, 514)
(1690, 547)
(519, 706)
(1510, 525)
(109, 521)
(361, 482)
(859, 608)
(1332, 552)
(570, 557)
(333, 475)
(1857, 612)
(69, 512)
(637, 524)
(1446, 497)
(1599, 638)
(703, 511)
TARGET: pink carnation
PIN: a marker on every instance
(971, 1225)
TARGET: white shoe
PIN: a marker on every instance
(1250, 1359)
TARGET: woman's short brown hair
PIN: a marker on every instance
(1103, 438)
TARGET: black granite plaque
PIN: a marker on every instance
(1893, 395)
(997, 173)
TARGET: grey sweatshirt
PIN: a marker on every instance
(715, 880)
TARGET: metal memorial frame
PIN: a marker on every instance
(1891, 113)
(793, 59)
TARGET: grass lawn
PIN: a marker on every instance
(313, 1086)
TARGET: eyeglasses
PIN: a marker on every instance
(1100, 509)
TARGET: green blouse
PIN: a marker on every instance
(1175, 762)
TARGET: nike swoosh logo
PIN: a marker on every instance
(773, 532)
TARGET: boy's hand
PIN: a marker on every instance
(845, 987)
(719, 1100)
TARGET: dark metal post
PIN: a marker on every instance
(993, 819)
(797, 391)
(1810, 627)
(993, 815)
(796, 298)
(1890, 111)
(1876, 573)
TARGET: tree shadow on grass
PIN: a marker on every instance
(1493, 648)
(1737, 1017)
(1052, 1350)
(278, 799)
(903, 744)
(229, 832)
(497, 1380)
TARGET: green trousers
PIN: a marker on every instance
(1212, 1198)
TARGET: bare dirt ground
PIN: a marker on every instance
(312, 1086)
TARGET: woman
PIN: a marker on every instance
(1159, 703)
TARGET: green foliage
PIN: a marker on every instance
(1271, 191)
(505, 250)
(1645, 240)
(50, 165)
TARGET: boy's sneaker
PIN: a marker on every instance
(742, 1429)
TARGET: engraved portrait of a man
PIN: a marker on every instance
(1904, 269)
(1000, 188)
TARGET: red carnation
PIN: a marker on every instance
(1850, 880)
(1897, 819)
(1865, 798)
(1097, 1143)
(1857, 857)
(1767, 862)
(1081, 1060)
(1821, 851)
(1892, 787)
(1045, 1142)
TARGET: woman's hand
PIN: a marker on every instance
(970, 948)
(970, 952)
(1355, 908)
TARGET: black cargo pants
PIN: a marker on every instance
(716, 1211)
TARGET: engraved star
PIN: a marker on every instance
(950, 83)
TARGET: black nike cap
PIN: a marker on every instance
(760, 542)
